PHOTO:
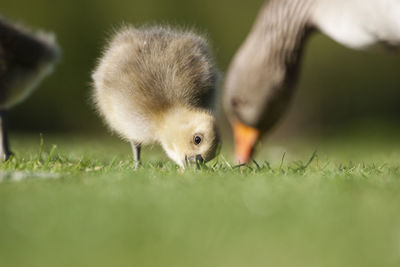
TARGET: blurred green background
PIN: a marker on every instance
(340, 209)
(338, 86)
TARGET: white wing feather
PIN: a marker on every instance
(359, 23)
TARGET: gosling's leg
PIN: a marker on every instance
(5, 152)
(136, 154)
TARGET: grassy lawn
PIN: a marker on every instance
(79, 203)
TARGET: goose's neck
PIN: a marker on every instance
(262, 75)
(282, 28)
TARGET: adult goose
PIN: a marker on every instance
(262, 75)
(25, 59)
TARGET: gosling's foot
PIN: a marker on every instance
(4, 156)
(136, 164)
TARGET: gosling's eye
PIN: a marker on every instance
(197, 139)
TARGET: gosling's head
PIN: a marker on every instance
(189, 136)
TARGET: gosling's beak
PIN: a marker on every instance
(195, 159)
(245, 139)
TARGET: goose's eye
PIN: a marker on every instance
(197, 139)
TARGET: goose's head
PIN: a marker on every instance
(257, 91)
(262, 74)
(189, 136)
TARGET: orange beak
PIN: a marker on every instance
(245, 139)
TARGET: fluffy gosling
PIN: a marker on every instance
(25, 59)
(158, 85)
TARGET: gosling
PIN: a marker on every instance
(25, 59)
(158, 85)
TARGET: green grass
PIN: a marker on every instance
(80, 203)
